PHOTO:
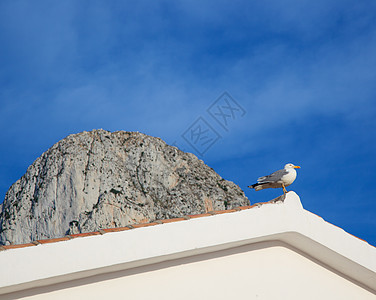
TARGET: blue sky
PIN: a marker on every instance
(303, 72)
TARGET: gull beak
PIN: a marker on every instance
(296, 167)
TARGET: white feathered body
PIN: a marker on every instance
(289, 177)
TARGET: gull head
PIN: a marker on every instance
(291, 166)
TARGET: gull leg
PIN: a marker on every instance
(284, 189)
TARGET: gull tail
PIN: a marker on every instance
(256, 186)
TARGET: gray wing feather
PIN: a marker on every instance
(274, 177)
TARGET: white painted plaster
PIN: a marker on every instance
(44, 265)
(262, 271)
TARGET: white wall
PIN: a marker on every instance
(268, 270)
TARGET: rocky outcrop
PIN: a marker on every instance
(100, 179)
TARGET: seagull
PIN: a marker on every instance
(280, 178)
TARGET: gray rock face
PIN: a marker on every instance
(99, 179)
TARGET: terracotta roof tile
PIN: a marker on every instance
(117, 229)
(7, 247)
(144, 225)
(219, 212)
(199, 216)
(48, 241)
(172, 220)
(76, 235)
(245, 207)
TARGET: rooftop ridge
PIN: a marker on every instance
(135, 226)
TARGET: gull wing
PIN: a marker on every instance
(274, 177)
